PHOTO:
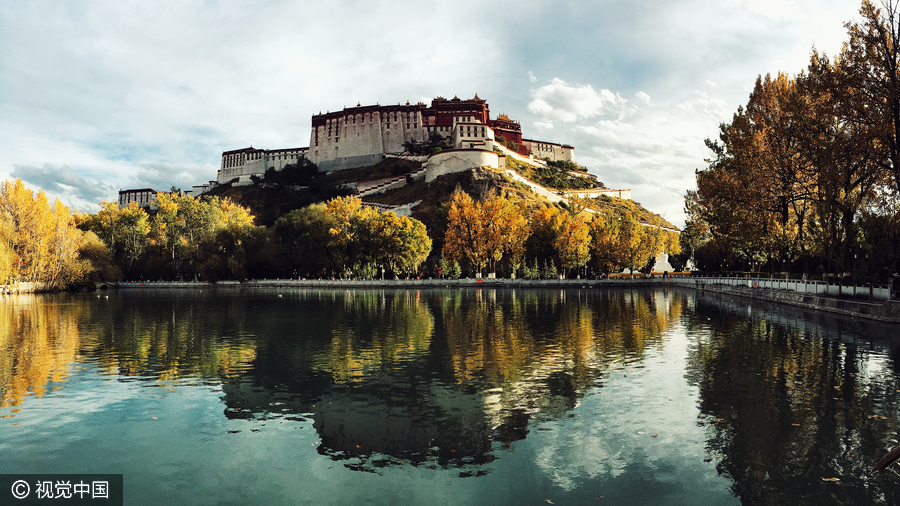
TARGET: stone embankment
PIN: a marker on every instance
(804, 294)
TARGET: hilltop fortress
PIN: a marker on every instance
(363, 135)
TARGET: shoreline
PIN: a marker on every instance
(396, 283)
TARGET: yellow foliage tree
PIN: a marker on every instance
(465, 236)
(572, 239)
(483, 233)
(605, 243)
(39, 242)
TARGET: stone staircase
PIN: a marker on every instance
(373, 186)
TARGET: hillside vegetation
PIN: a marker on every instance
(555, 177)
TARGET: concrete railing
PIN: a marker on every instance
(162, 284)
(870, 291)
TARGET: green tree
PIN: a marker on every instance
(306, 235)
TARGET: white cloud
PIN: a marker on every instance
(531, 78)
(776, 9)
(62, 183)
(559, 101)
(651, 150)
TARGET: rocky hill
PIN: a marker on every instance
(280, 192)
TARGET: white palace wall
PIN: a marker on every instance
(458, 160)
(243, 163)
(551, 150)
(358, 138)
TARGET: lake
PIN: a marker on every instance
(462, 396)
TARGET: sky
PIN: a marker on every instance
(97, 96)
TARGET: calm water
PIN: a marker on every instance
(449, 397)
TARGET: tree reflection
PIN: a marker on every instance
(788, 409)
(162, 337)
(439, 379)
(376, 331)
(169, 335)
(39, 340)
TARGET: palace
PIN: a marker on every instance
(362, 135)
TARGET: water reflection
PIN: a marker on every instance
(166, 336)
(41, 340)
(385, 376)
(793, 400)
(566, 388)
(443, 380)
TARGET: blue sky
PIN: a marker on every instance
(101, 96)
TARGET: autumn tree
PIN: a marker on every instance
(518, 230)
(484, 232)
(572, 239)
(225, 253)
(869, 72)
(634, 242)
(605, 243)
(398, 242)
(343, 236)
(465, 236)
(39, 241)
(124, 231)
(539, 244)
(795, 170)
(184, 227)
(7, 247)
(505, 229)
